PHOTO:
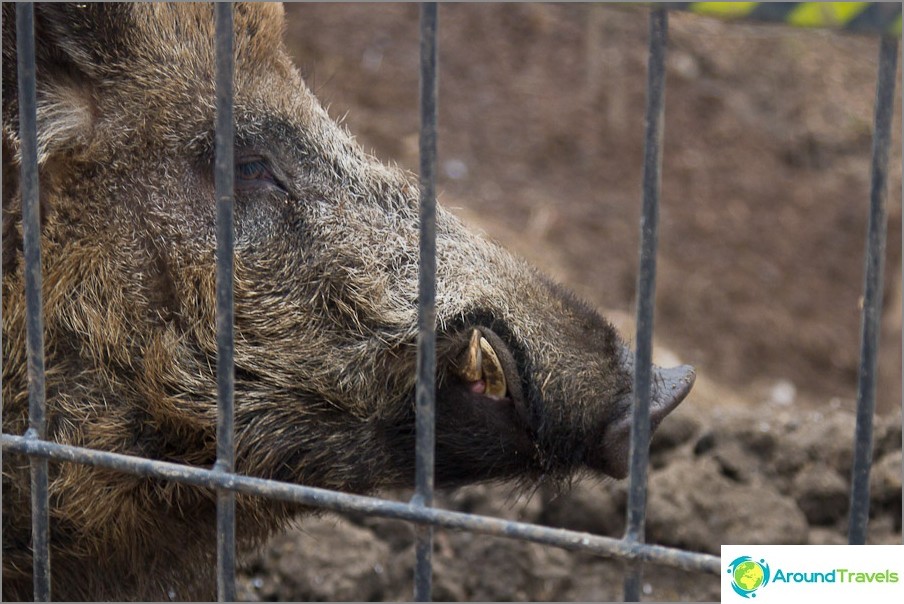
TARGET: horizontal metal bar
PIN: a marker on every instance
(344, 502)
(872, 296)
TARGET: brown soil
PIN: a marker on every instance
(763, 219)
(740, 476)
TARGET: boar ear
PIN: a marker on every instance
(73, 44)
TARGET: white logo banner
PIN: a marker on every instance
(771, 574)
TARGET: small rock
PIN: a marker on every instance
(684, 64)
(372, 59)
(455, 169)
(782, 393)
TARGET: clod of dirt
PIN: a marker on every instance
(826, 536)
(822, 493)
(678, 430)
(828, 438)
(885, 487)
(500, 500)
(327, 559)
(694, 505)
(738, 478)
(522, 571)
(887, 437)
(736, 462)
(591, 506)
(885, 479)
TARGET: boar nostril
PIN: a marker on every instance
(670, 387)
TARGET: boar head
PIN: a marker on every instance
(531, 383)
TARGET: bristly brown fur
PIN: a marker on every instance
(325, 304)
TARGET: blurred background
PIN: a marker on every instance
(762, 239)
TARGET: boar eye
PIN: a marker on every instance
(254, 174)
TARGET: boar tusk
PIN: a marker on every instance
(479, 362)
(470, 369)
(493, 375)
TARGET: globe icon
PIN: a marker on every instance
(748, 575)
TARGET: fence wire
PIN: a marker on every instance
(34, 319)
(872, 291)
(646, 294)
(223, 190)
(425, 393)
(420, 511)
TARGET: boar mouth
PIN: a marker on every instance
(484, 420)
(486, 367)
(483, 427)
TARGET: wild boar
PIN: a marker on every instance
(532, 383)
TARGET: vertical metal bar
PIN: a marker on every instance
(872, 297)
(225, 337)
(426, 351)
(646, 292)
(34, 322)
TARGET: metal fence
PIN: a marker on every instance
(632, 547)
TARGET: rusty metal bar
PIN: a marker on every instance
(646, 294)
(426, 351)
(872, 296)
(34, 320)
(223, 176)
(344, 502)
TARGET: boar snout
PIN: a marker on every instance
(669, 387)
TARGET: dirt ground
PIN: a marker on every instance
(762, 227)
